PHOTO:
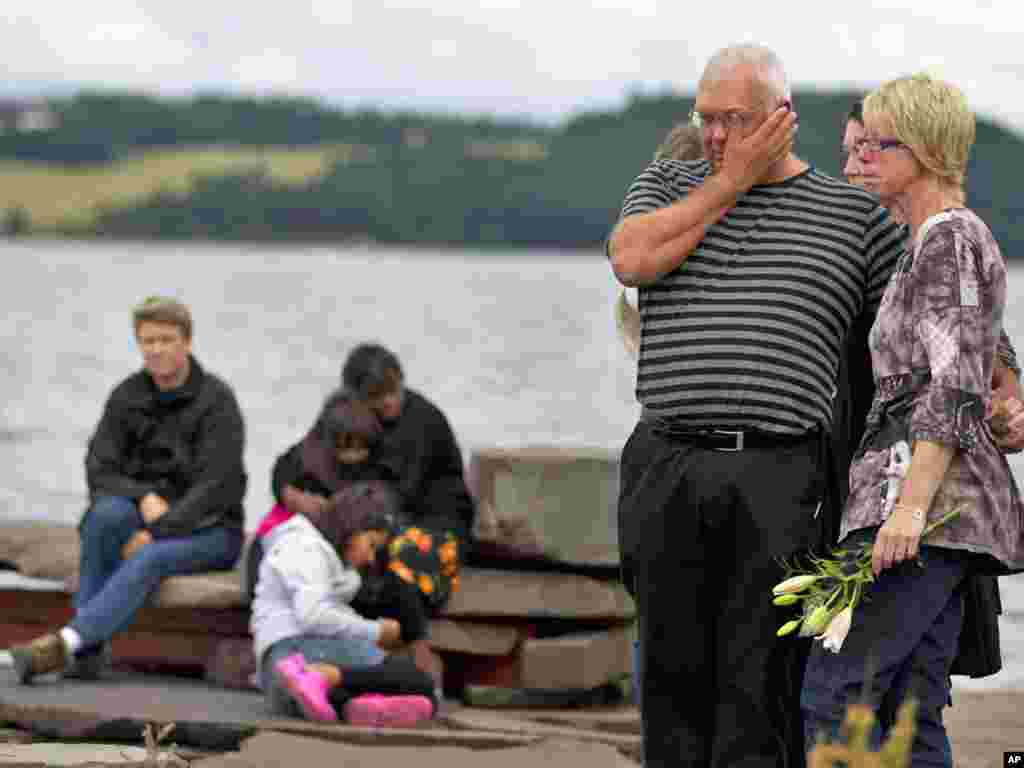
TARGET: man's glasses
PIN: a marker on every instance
(728, 120)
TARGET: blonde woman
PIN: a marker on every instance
(682, 143)
(927, 448)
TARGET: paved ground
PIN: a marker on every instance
(982, 725)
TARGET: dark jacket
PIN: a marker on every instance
(186, 446)
(419, 455)
(421, 451)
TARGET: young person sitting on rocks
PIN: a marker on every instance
(166, 483)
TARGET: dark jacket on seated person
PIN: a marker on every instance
(418, 455)
(185, 445)
(420, 449)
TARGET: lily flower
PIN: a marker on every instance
(788, 627)
(794, 584)
(786, 599)
(837, 630)
(816, 621)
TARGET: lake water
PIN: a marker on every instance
(518, 348)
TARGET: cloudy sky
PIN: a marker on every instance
(537, 58)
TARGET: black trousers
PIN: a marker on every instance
(385, 595)
(702, 533)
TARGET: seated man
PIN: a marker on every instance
(166, 483)
(416, 443)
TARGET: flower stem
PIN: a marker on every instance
(942, 520)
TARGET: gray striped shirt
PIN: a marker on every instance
(747, 332)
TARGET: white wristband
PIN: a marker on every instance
(916, 513)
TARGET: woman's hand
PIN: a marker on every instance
(899, 538)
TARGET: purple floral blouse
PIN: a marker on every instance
(933, 346)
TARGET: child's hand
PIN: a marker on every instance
(138, 540)
(308, 505)
(390, 635)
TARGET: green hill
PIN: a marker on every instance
(280, 169)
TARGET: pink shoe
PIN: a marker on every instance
(376, 709)
(307, 687)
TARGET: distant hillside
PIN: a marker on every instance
(233, 168)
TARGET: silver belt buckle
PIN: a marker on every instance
(738, 434)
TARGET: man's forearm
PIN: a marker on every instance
(646, 246)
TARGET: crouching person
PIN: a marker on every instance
(318, 656)
(166, 482)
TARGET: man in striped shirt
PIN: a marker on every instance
(751, 268)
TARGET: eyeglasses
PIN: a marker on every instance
(728, 120)
(867, 146)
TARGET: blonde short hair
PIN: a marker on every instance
(160, 309)
(683, 142)
(932, 118)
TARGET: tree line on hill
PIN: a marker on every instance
(439, 179)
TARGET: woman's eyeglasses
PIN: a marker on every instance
(867, 146)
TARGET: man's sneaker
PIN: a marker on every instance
(376, 709)
(307, 687)
(42, 655)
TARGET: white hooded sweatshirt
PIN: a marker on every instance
(304, 588)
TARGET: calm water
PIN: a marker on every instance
(516, 348)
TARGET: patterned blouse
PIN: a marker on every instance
(933, 346)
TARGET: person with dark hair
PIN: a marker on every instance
(318, 656)
(416, 443)
(335, 453)
(332, 473)
(166, 482)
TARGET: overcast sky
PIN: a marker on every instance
(538, 58)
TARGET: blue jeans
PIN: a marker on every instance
(111, 590)
(909, 624)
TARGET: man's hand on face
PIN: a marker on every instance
(750, 153)
(152, 508)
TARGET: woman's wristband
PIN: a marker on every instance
(917, 514)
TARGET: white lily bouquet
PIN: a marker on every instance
(830, 589)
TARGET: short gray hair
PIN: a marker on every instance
(761, 59)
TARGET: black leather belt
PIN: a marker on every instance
(730, 440)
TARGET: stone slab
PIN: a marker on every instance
(580, 660)
(280, 749)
